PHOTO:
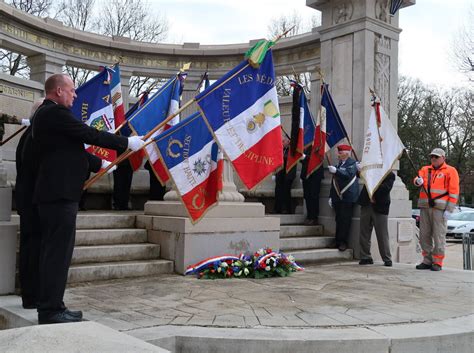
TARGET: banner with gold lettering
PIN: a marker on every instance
(191, 157)
(242, 110)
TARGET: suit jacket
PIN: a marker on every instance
(343, 177)
(381, 195)
(63, 163)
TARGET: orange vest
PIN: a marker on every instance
(443, 185)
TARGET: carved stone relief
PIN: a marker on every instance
(381, 10)
(382, 71)
(343, 12)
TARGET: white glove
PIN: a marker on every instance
(332, 169)
(274, 178)
(105, 164)
(447, 215)
(135, 143)
(358, 166)
(419, 181)
(330, 202)
(25, 122)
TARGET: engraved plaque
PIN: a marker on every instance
(405, 231)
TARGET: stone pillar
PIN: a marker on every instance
(8, 231)
(359, 49)
(42, 66)
(125, 76)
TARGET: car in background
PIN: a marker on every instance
(460, 223)
(415, 214)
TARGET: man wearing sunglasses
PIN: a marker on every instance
(439, 193)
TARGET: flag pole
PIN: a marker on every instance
(12, 136)
(129, 152)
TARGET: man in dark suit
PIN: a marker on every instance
(30, 234)
(63, 165)
(374, 212)
(344, 193)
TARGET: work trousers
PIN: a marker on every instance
(58, 229)
(432, 235)
(343, 221)
(368, 220)
(30, 243)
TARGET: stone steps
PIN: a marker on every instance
(301, 243)
(117, 252)
(287, 231)
(311, 256)
(109, 246)
(115, 270)
(110, 236)
(309, 243)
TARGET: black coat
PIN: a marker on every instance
(381, 195)
(63, 163)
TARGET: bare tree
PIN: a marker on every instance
(463, 46)
(77, 14)
(15, 63)
(280, 25)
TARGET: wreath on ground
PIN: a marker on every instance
(262, 264)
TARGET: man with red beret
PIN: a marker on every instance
(344, 193)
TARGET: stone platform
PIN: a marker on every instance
(327, 308)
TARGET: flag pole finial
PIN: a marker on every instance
(321, 74)
(185, 67)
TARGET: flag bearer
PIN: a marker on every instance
(343, 194)
(439, 194)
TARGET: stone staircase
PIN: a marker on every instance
(108, 246)
(308, 244)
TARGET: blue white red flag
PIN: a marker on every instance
(242, 109)
(117, 97)
(194, 163)
(305, 130)
(93, 106)
(329, 130)
(155, 110)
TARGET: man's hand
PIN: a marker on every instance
(332, 169)
(419, 181)
(447, 214)
(330, 202)
(106, 163)
(135, 143)
(358, 166)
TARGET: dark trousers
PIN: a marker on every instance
(311, 188)
(283, 193)
(157, 191)
(58, 229)
(122, 183)
(343, 221)
(30, 243)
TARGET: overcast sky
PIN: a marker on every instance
(425, 43)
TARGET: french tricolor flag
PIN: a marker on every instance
(305, 134)
(194, 163)
(242, 110)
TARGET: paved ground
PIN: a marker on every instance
(454, 255)
(331, 295)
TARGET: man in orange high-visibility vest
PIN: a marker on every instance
(439, 194)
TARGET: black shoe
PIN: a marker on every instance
(342, 247)
(436, 267)
(27, 305)
(366, 262)
(387, 263)
(423, 266)
(62, 317)
(73, 313)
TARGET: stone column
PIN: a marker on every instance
(359, 49)
(42, 66)
(125, 76)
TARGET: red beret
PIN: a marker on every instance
(344, 148)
